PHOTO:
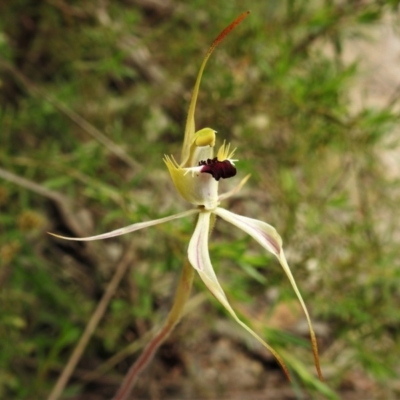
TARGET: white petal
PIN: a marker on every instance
(198, 245)
(130, 228)
(267, 236)
(264, 233)
(199, 257)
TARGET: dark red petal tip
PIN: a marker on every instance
(218, 169)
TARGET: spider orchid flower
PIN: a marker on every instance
(197, 178)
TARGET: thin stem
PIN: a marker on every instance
(133, 348)
(181, 296)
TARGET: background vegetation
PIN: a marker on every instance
(92, 94)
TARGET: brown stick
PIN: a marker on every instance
(92, 325)
(72, 115)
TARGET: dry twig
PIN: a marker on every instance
(92, 324)
(72, 115)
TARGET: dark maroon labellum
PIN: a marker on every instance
(218, 169)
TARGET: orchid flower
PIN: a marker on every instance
(197, 178)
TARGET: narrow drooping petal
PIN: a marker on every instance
(200, 259)
(264, 233)
(131, 228)
(190, 123)
(267, 236)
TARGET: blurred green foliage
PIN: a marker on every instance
(278, 89)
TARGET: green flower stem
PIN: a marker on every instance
(181, 296)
